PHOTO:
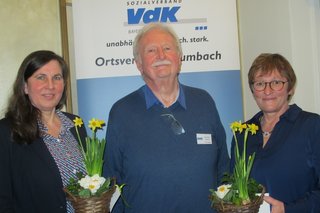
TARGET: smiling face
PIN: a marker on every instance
(268, 100)
(159, 57)
(45, 86)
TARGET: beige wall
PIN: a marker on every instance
(26, 26)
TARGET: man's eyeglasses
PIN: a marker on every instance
(275, 85)
(175, 125)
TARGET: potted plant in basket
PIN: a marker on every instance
(91, 192)
(239, 193)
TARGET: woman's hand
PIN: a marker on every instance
(276, 205)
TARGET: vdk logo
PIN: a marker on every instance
(165, 14)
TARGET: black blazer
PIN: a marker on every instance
(30, 181)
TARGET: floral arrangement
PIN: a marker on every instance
(239, 188)
(91, 184)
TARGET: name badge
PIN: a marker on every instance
(204, 138)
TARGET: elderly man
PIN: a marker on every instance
(165, 141)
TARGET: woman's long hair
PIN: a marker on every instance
(21, 114)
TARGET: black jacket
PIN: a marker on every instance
(29, 177)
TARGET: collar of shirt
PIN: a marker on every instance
(66, 123)
(290, 115)
(151, 99)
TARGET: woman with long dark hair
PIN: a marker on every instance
(39, 151)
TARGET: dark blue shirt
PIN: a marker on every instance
(289, 164)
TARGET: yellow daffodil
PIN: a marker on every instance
(242, 165)
(101, 123)
(93, 154)
(78, 122)
(95, 124)
(235, 126)
(242, 127)
(253, 128)
(92, 149)
(240, 186)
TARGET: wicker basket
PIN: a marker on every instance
(99, 204)
(252, 207)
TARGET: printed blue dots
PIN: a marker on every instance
(201, 28)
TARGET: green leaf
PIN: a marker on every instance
(85, 193)
(105, 186)
(229, 196)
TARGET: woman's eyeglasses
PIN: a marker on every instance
(175, 125)
(275, 85)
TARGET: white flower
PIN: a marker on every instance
(93, 187)
(84, 182)
(92, 183)
(223, 190)
(97, 178)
